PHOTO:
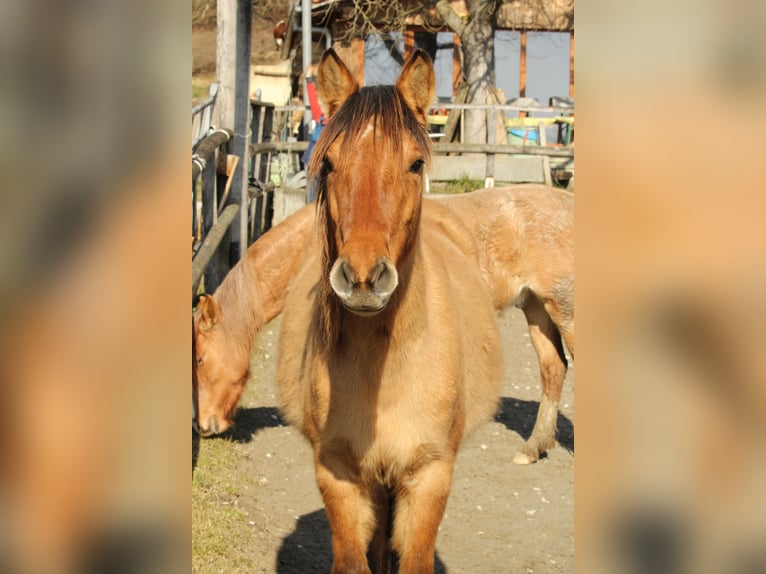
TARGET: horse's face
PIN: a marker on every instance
(372, 173)
(375, 207)
(218, 380)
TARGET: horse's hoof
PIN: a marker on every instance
(522, 457)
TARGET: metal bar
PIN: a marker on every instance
(212, 241)
(306, 52)
(206, 149)
(202, 105)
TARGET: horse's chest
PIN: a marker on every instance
(386, 413)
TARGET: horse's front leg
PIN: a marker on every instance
(420, 503)
(349, 511)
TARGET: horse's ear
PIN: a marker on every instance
(208, 312)
(417, 83)
(335, 83)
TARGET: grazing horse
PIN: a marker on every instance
(525, 239)
(225, 325)
(389, 351)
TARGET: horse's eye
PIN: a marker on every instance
(327, 166)
(417, 166)
(199, 360)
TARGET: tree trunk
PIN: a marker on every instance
(478, 40)
(477, 37)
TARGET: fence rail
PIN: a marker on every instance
(209, 186)
(438, 148)
(212, 240)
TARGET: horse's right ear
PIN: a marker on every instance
(208, 312)
(334, 81)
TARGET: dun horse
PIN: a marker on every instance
(225, 325)
(525, 240)
(389, 351)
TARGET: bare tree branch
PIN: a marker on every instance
(450, 17)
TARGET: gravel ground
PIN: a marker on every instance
(256, 507)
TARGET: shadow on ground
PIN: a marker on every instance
(247, 422)
(519, 416)
(308, 549)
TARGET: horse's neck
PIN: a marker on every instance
(275, 259)
(241, 313)
(253, 293)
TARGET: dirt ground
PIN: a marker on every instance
(256, 507)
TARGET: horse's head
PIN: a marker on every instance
(370, 161)
(218, 379)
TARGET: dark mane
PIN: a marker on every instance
(390, 114)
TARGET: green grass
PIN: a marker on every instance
(462, 185)
(217, 519)
(200, 90)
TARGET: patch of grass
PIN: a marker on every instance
(217, 518)
(462, 185)
(200, 91)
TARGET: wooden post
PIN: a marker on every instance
(523, 69)
(457, 69)
(571, 63)
(360, 61)
(353, 57)
(409, 42)
(235, 21)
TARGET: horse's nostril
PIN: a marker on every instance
(342, 278)
(379, 270)
(384, 278)
(348, 273)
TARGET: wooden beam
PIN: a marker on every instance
(503, 149)
(523, 69)
(409, 42)
(353, 57)
(523, 65)
(359, 60)
(571, 63)
(551, 15)
(457, 65)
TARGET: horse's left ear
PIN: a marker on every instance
(208, 310)
(417, 83)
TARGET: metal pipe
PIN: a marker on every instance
(206, 150)
(306, 49)
(212, 241)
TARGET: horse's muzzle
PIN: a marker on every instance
(213, 427)
(365, 292)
